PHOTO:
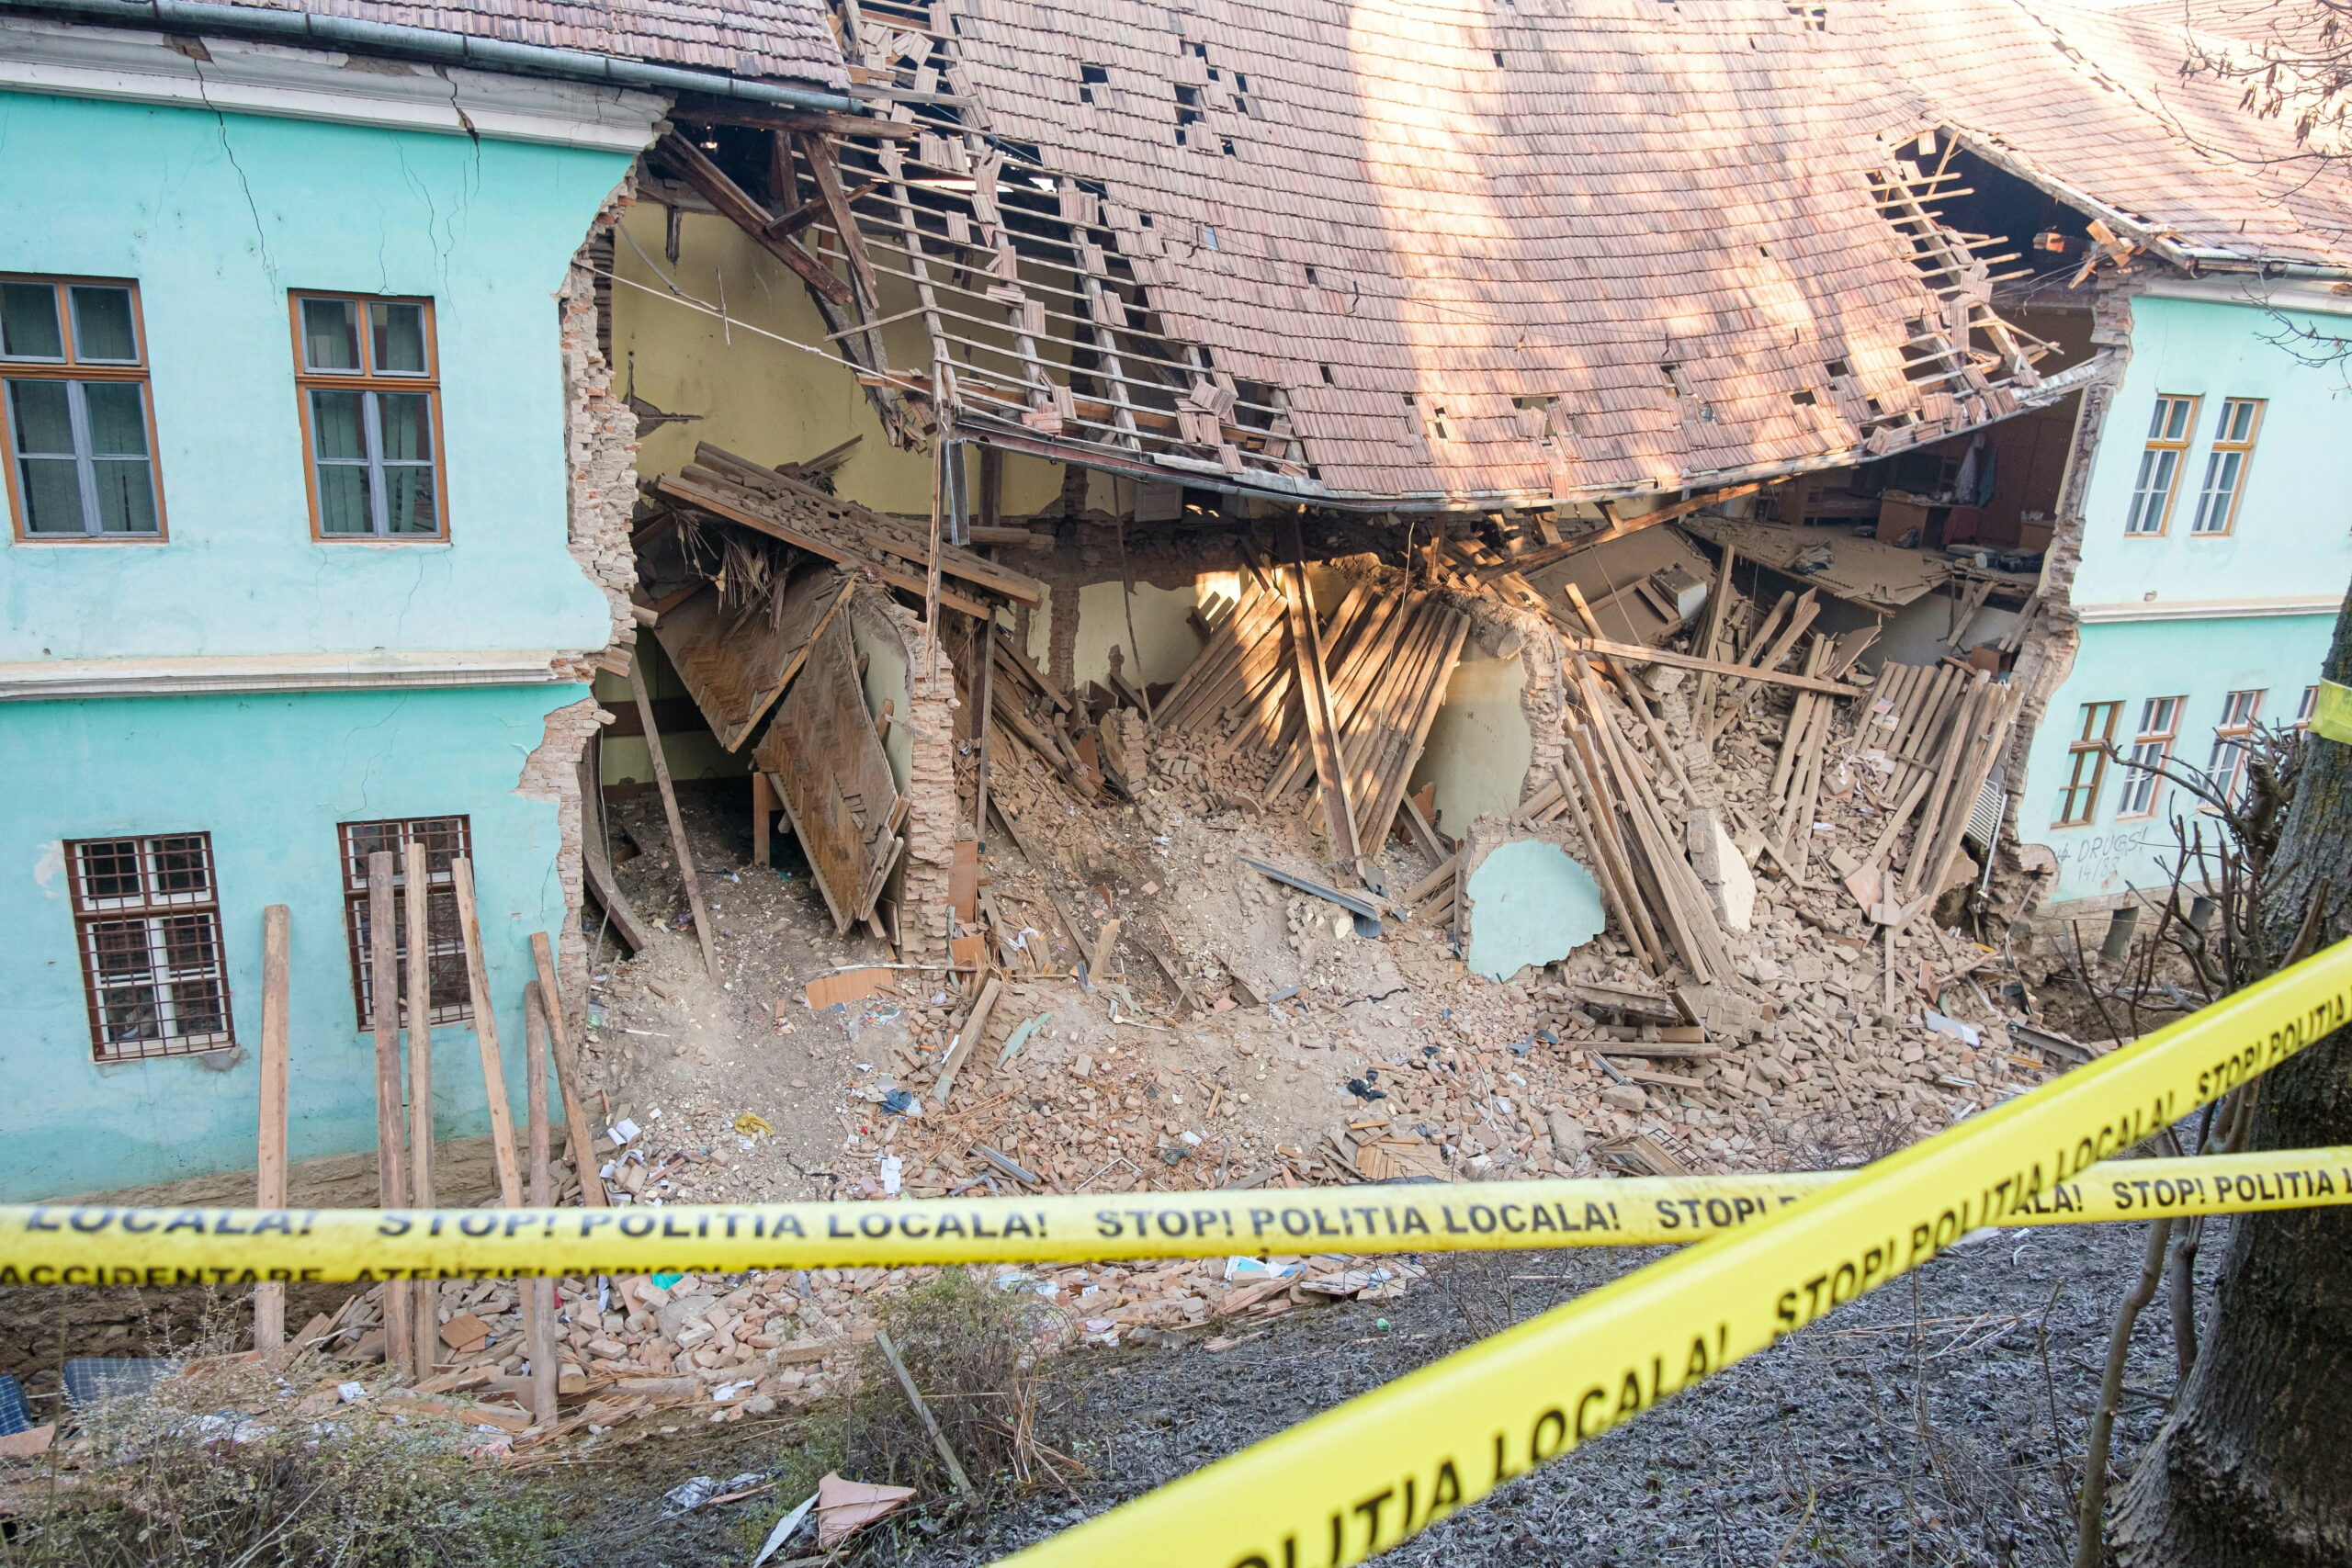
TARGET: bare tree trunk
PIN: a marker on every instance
(2254, 1467)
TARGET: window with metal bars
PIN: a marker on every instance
(2169, 428)
(2217, 503)
(78, 430)
(371, 416)
(2086, 764)
(445, 839)
(2159, 727)
(147, 921)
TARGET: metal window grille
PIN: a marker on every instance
(147, 922)
(445, 839)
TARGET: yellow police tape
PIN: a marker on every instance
(1363, 1476)
(65, 1244)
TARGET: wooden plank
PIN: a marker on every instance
(678, 844)
(751, 513)
(596, 854)
(493, 1065)
(1618, 528)
(966, 1041)
(735, 665)
(1637, 653)
(1307, 648)
(737, 207)
(852, 523)
(416, 914)
(277, 971)
(836, 785)
(539, 1294)
(582, 1147)
(392, 1148)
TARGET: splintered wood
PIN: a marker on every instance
(1380, 658)
(824, 761)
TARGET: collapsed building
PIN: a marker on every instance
(1452, 594)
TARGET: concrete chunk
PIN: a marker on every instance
(1723, 869)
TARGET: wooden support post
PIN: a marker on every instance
(983, 723)
(669, 807)
(581, 1147)
(538, 1293)
(276, 969)
(493, 1065)
(762, 807)
(416, 916)
(392, 1148)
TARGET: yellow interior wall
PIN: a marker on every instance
(760, 398)
(1479, 746)
(1168, 643)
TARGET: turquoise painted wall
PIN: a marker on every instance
(216, 216)
(2129, 662)
(268, 777)
(2292, 539)
(2293, 535)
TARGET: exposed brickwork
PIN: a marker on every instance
(600, 439)
(928, 719)
(552, 773)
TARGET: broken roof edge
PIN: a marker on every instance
(2158, 240)
(446, 47)
(988, 431)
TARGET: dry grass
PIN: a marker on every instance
(218, 1467)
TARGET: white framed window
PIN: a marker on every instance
(2226, 767)
(2159, 728)
(2086, 764)
(2169, 428)
(2225, 466)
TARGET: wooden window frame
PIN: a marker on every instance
(2223, 445)
(2088, 750)
(446, 953)
(151, 907)
(369, 380)
(2159, 442)
(72, 369)
(2158, 729)
(2229, 737)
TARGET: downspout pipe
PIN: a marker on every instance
(452, 49)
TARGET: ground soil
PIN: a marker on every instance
(1907, 1427)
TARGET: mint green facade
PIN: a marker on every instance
(2188, 615)
(216, 219)
(269, 777)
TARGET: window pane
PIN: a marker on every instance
(338, 426)
(53, 491)
(110, 869)
(117, 418)
(407, 427)
(28, 322)
(331, 335)
(344, 506)
(183, 869)
(43, 425)
(102, 329)
(2177, 424)
(196, 1006)
(398, 331)
(408, 499)
(126, 497)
